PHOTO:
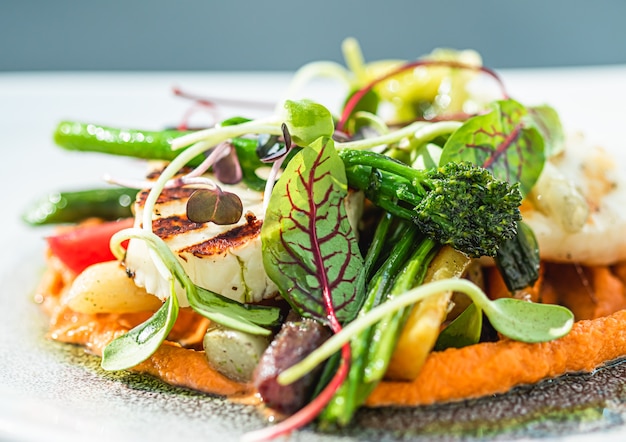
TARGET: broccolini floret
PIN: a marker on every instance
(459, 204)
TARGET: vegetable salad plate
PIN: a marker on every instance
(56, 391)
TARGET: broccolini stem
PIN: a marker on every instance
(353, 157)
(348, 398)
(381, 340)
(378, 244)
(385, 190)
(387, 331)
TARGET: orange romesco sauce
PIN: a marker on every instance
(177, 365)
(496, 367)
(596, 295)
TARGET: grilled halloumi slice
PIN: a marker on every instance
(224, 259)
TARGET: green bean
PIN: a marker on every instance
(352, 393)
(71, 207)
(149, 145)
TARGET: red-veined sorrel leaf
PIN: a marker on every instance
(214, 205)
(505, 141)
(309, 248)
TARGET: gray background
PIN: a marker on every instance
(282, 34)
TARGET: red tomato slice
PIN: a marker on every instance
(81, 247)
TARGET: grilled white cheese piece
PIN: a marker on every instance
(224, 259)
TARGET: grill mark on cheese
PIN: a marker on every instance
(171, 226)
(204, 249)
(167, 195)
(233, 238)
(156, 172)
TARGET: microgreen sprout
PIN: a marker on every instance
(519, 320)
(198, 103)
(215, 156)
(419, 132)
(214, 205)
(210, 104)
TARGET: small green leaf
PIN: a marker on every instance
(309, 248)
(214, 205)
(505, 141)
(142, 341)
(307, 121)
(528, 321)
(463, 331)
(548, 122)
(232, 314)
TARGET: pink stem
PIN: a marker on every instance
(307, 414)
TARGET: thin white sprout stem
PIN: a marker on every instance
(127, 182)
(219, 152)
(419, 131)
(313, 70)
(271, 180)
(222, 133)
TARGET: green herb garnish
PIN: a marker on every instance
(514, 318)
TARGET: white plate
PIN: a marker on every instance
(50, 391)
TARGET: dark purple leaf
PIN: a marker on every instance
(214, 205)
(227, 169)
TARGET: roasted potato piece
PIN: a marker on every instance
(233, 353)
(106, 288)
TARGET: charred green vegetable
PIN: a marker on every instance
(457, 204)
(75, 206)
